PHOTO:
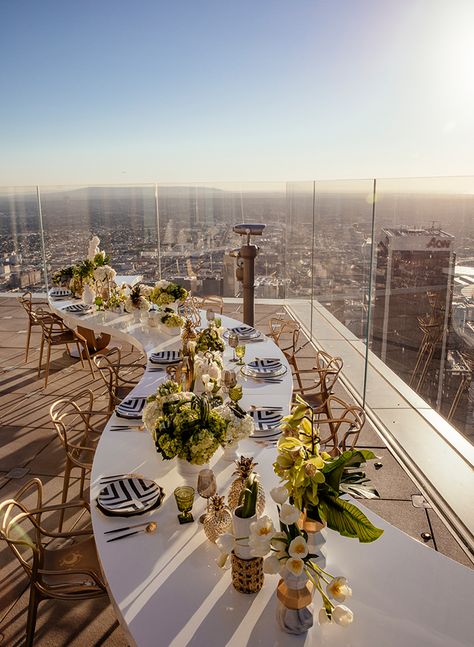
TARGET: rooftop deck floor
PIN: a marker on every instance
(29, 441)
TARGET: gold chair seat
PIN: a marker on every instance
(81, 555)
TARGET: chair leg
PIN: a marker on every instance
(79, 350)
(32, 612)
(67, 473)
(48, 359)
(88, 357)
(81, 486)
(41, 355)
(28, 337)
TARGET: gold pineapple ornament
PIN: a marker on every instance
(245, 467)
(218, 519)
(188, 334)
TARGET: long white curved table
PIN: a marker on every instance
(167, 589)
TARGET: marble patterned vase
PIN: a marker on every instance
(294, 611)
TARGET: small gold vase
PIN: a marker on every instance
(247, 574)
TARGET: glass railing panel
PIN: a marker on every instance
(423, 301)
(21, 260)
(123, 217)
(197, 242)
(341, 265)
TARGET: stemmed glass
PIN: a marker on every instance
(184, 496)
(233, 343)
(240, 352)
(206, 487)
(210, 315)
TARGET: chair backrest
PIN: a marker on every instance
(211, 302)
(190, 310)
(72, 420)
(25, 301)
(329, 368)
(21, 529)
(285, 333)
(50, 322)
(341, 428)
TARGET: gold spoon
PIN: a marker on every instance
(150, 529)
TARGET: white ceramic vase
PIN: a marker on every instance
(88, 296)
(230, 453)
(189, 471)
(241, 533)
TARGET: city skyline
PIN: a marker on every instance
(114, 93)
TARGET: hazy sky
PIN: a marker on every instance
(97, 91)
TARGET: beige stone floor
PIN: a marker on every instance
(29, 441)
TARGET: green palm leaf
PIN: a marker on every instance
(348, 520)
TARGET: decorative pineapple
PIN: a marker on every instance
(188, 334)
(245, 467)
(218, 519)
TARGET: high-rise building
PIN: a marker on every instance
(413, 297)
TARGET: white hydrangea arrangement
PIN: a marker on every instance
(165, 293)
(104, 273)
(240, 424)
(208, 370)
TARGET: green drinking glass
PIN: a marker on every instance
(184, 496)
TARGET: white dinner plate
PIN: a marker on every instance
(129, 496)
(267, 423)
(263, 371)
(244, 332)
(131, 408)
(60, 293)
(166, 357)
(78, 308)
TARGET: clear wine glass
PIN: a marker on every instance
(240, 352)
(210, 315)
(206, 487)
(233, 343)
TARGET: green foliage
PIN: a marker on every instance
(248, 498)
(315, 480)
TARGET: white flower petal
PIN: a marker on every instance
(339, 589)
(271, 565)
(323, 616)
(342, 615)
(295, 565)
(289, 514)
(298, 548)
(225, 543)
(279, 494)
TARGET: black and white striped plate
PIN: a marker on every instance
(267, 423)
(263, 371)
(129, 496)
(60, 293)
(78, 308)
(265, 363)
(166, 357)
(131, 408)
(244, 332)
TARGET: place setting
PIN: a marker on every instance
(78, 309)
(268, 370)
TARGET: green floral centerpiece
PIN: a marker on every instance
(183, 425)
(210, 339)
(77, 276)
(314, 480)
(170, 319)
(166, 293)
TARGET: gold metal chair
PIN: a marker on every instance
(119, 377)
(285, 333)
(78, 427)
(67, 572)
(56, 333)
(326, 373)
(190, 310)
(33, 317)
(210, 302)
(339, 425)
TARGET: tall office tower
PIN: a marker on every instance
(412, 304)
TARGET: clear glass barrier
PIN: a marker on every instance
(423, 300)
(21, 261)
